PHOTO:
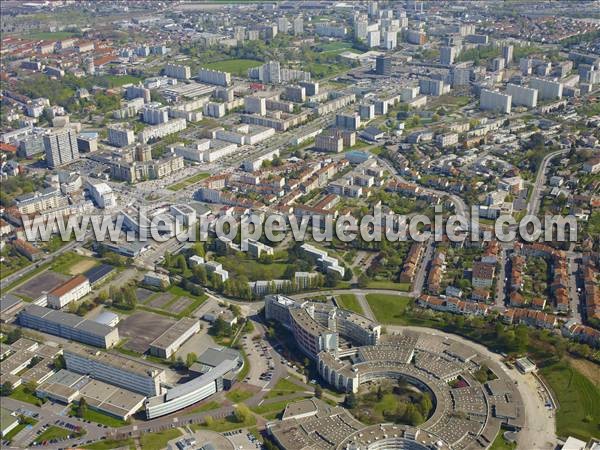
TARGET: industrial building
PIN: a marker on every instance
(169, 342)
(68, 326)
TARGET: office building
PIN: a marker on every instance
(522, 96)
(348, 121)
(128, 373)
(155, 114)
(298, 26)
(495, 101)
(374, 38)
(120, 135)
(178, 71)
(507, 53)
(256, 105)
(498, 64)
(169, 342)
(283, 25)
(60, 146)
(367, 112)
(70, 291)
(383, 65)
(312, 87)
(296, 93)
(68, 326)
(547, 89)
(447, 55)
(214, 77)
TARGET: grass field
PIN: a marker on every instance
(234, 66)
(99, 417)
(252, 269)
(188, 181)
(72, 263)
(110, 444)
(16, 430)
(272, 410)
(158, 441)
(52, 433)
(284, 387)
(502, 444)
(375, 284)
(19, 393)
(578, 414)
(388, 309)
(238, 395)
(226, 424)
(203, 408)
(349, 301)
(337, 47)
(48, 36)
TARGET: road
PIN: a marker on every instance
(540, 181)
(8, 280)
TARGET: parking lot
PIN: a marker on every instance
(43, 282)
(141, 328)
(262, 364)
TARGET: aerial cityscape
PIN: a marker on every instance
(300, 224)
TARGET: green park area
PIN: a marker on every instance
(578, 414)
(391, 402)
(48, 35)
(158, 441)
(238, 395)
(284, 387)
(389, 308)
(99, 417)
(188, 181)
(350, 302)
(109, 444)
(237, 67)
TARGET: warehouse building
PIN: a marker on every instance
(169, 342)
(68, 326)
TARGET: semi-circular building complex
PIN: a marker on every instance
(467, 414)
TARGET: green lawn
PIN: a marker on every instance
(16, 430)
(158, 441)
(284, 387)
(251, 268)
(110, 444)
(53, 433)
(67, 262)
(203, 408)
(388, 309)
(234, 66)
(502, 444)
(20, 394)
(272, 410)
(376, 284)
(226, 424)
(188, 181)
(238, 395)
(99, 417)
(48, 36)
(578, 414)
(349, 301)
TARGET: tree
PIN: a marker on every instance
(14, 335)
(190, 359)
(209, 421)
(6, 389)
(379, 394)
(318, 391)
(59, 362)
(351, 401)
(363, 280)
(241, 413)
(82, 408)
